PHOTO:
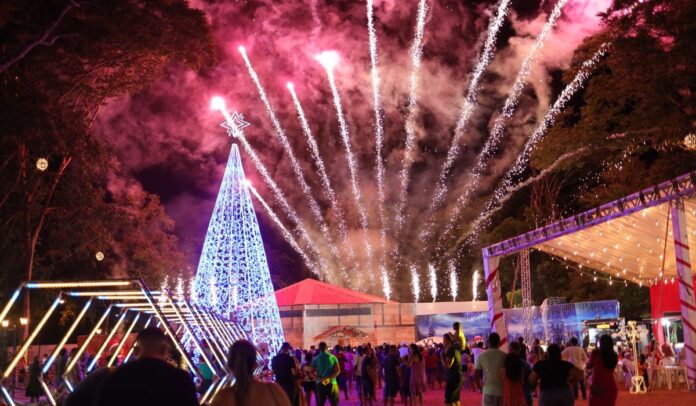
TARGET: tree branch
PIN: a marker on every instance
(42, 39)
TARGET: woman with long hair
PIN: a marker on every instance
(513, 390)
(417, 383)
(246, 389)
(603, 361)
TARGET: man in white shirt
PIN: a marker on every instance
(577, 356)
(403, 350)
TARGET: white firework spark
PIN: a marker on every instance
(326, 182)
(453, 282)
(415, 283)
(475, 281)
(511, 102)
(432, 277)
(286, 233)
(468, 107)
(507, 184)
(329, 59)
(386, 286)
(379, 127)
(407, 160)
(296, 167)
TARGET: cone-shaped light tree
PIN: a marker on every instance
(233, 277)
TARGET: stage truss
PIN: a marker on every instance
(642, 238)
(195, 332)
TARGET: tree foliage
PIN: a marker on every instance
(632, 117)
(61, 61)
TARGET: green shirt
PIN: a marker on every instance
(324, 364)
(490, 361)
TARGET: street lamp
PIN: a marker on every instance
(23, 321)
(5, 323)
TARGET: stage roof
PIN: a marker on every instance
(314, 292)
(624, 238)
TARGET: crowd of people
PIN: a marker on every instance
(556, 374)
(387, 374)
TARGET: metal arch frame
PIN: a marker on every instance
(681, 186)
(158, 306)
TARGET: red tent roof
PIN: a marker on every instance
(312, 291)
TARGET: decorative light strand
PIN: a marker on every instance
(294, 163)
(238, 133)
(467, 110)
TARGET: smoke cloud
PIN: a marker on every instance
(169, 142)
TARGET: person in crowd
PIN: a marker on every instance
(33, 390)
(477, 350)
(441, 370)
(513, 376)
(577, 356)
(603, 361)
(667, 353)
(341, 378)
(554, 376)
(452, 360)
(148, 380)
(403, 350)
(246, 389)
(489, 363)
(350, 367)
(327, 369)
(417, 383)
(537, 352)
(458, 335)
(308, 378)
(405, 389)
(468, 369)
(430, 367)
(285, 370)
(359, 357)
(368, 373)
(59, 366)
(205, 370)
(515, 348)
(392, 375)
(523, 348)
(86, 392)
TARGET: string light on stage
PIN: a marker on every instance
(99, 256)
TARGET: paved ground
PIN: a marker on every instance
(657, 398)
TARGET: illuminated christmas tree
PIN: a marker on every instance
(233, 277)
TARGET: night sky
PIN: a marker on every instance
(170, 143)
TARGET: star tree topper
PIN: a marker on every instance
(234, 124)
